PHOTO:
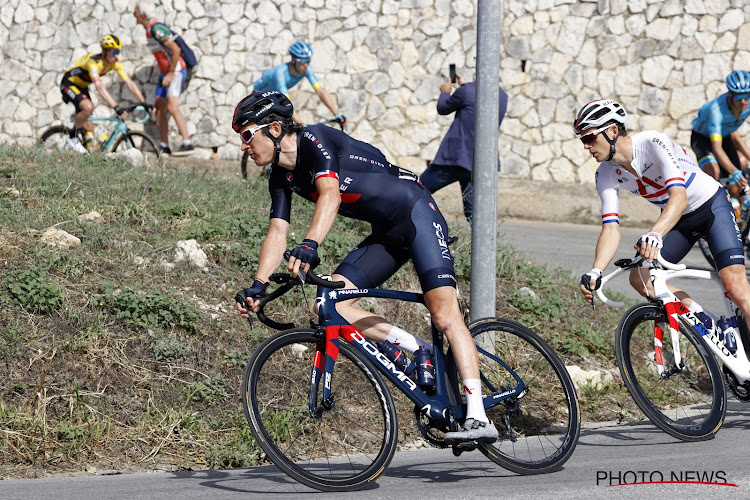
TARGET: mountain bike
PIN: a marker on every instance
(119, 138)
(337, 430)
(246, 157)
(668, 355)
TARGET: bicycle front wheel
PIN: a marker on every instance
(344, 449)
(141, 142)
(538, 430)
(53, 139)
(686, 401)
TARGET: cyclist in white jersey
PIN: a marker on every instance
(694, 205)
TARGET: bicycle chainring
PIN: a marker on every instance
(740, 391)
(430, 433)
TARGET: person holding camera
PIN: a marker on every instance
(455, 156)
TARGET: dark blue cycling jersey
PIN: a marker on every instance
(406, 222)
(371, 188)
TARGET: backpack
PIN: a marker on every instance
(186, 53)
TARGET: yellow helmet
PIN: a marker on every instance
(110, 42)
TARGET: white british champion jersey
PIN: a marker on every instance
(660, 164)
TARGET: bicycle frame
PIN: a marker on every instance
(736, 362)
(438, 406)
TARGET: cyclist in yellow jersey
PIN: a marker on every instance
(87, 70)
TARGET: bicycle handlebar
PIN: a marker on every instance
(625, 264)
(130, 109)
(286, 282)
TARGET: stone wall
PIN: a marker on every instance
(383, 61)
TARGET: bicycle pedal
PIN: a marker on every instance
(463, 446)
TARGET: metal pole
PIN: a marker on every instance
(484, 171)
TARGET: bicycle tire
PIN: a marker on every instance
(143, 142)
(350, 445)
(679, 403)
(543, 436)
(703, 244)
(54, 138)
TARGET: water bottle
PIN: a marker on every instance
(706, 320)
(398, 356)
(425, 368)
(726, 333)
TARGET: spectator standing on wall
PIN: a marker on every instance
(173, 76)
(283, 77)
(455, 155)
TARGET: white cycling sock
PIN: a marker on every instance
(474, 404)
(406, 340)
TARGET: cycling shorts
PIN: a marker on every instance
(713, 220)
(418, 232)
(175, 87)
(701, 145)
(73, 94)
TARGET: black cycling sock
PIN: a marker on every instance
(76, 132)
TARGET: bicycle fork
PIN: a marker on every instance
(326, 354)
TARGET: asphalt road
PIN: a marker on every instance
(606, 455)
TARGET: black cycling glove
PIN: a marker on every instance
(255, 292)
(307, 252)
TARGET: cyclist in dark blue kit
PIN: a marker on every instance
(344, 176)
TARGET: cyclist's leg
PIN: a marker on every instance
(173, 103)
(725, 242)
(162, 118)
(701, 146)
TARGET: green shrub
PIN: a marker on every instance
(156, 308)
(31, 290)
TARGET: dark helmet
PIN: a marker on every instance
(258, 105)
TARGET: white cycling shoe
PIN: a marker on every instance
(75, 144)
(473, 430)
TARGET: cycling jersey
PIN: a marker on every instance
(372, 189)
(715, 120)
(158, 35)
(279, 78)
(88, 69)
(660, 164)
(406, 222)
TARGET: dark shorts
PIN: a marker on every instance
(702, 148)
(419, 232)
(73, 94)
(713, 220)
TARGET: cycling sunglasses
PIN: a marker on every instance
(302, 61)
(248, 134)
(740, 97)
(114, 52)
(591, 136)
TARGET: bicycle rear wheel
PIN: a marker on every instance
(141, 142)
(348, 446)
(687, 402)
(539, 430)
(53, 139)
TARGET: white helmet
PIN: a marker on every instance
(597, 114)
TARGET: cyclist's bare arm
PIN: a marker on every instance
(606, 247)
(272, 250)
(326, 209)
(105, 93)
(271, 255)
(133, 88)
(325, 97)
